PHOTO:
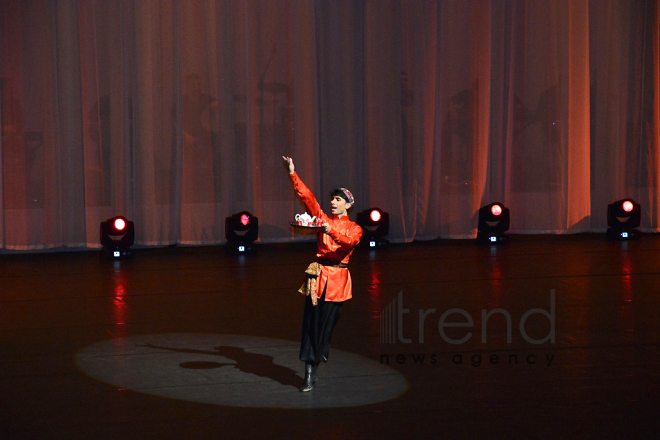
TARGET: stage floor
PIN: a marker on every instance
(194, 343)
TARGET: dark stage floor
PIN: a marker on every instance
(192, 343)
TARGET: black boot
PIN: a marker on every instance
(310, 377)
(314, 376)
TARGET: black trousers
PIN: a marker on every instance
(318, 323)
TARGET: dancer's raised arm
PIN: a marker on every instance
(307, 197)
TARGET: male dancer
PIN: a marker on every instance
(328, 274)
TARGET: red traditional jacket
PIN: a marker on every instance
(337, 245)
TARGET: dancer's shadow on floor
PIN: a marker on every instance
(252, 363)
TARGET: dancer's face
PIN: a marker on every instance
(339, 206)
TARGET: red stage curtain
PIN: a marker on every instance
(176, 113)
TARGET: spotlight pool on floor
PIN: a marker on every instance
(236, 370)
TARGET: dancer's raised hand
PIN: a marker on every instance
(289, 162)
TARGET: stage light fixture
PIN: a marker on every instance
(375, 225)
(493, 223)
(241, 231)
(623, 218)
(117, 237)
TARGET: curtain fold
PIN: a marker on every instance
(176, 114)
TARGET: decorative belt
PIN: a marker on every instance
(326, 262)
